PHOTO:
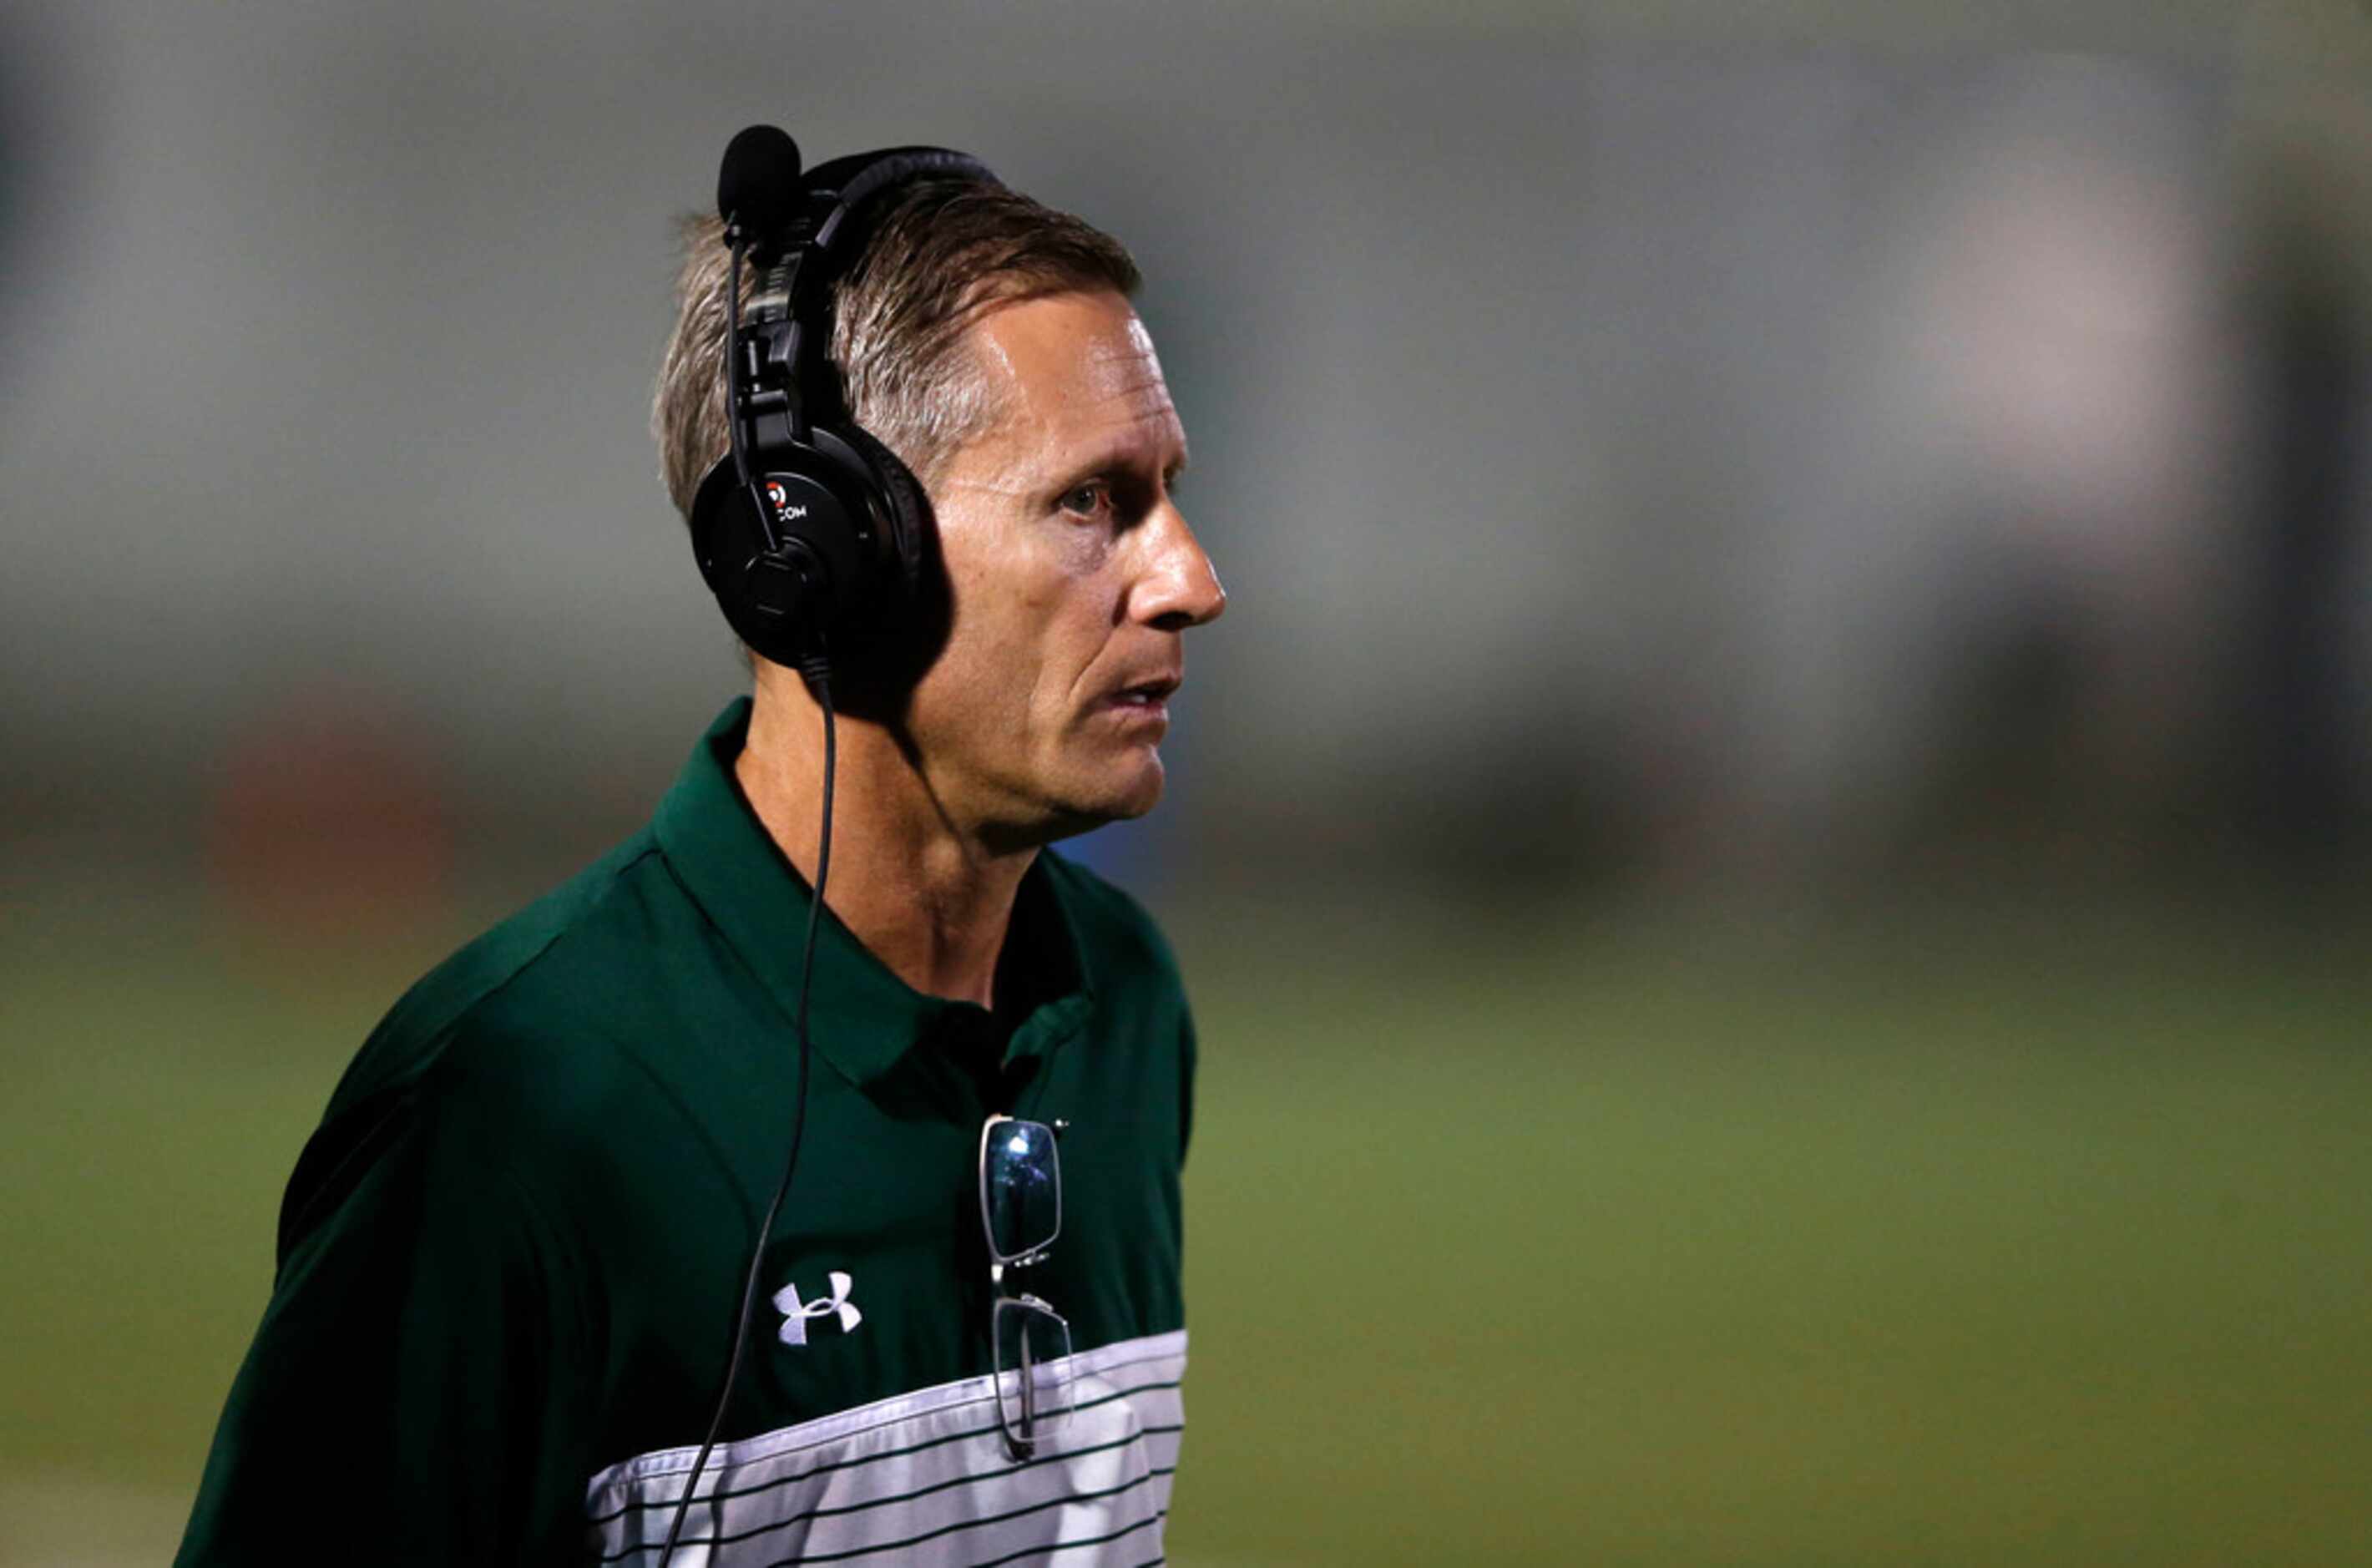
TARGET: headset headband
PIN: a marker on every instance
(823, 238)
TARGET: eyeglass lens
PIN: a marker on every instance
(1020, 1188)
(1033, 1371)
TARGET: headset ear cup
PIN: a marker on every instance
(914, 610)
(772, 600)
(910, 508)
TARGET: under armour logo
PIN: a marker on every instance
(795, 1312)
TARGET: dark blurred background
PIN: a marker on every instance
(1769, 851)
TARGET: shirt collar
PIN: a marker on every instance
(862, 1017)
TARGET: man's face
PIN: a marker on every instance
(1072, 578)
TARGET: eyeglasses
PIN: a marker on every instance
(1021, 1211)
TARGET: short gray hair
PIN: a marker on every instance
(941, 253)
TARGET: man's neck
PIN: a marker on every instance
(925, 896)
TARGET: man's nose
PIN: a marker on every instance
(1182, 587)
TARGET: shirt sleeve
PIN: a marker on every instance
(420, 1389)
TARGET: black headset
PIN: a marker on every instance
(808, 526)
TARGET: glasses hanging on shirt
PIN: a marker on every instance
(1021, 1213)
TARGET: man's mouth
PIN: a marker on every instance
(1147, 693)
(1145, 701)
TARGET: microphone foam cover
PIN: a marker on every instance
(758, 187)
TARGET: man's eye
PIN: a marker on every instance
(1087, 500)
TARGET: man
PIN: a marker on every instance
(511, 1254)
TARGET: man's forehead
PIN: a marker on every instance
(1074, 368)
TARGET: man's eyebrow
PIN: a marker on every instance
(1119, 459)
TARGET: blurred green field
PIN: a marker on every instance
(1944, 1240)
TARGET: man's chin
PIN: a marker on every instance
(1112, 800)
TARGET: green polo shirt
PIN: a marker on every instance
(511, 1253)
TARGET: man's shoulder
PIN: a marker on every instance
(522, 975)
(514, 1013)
(504, 1047)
